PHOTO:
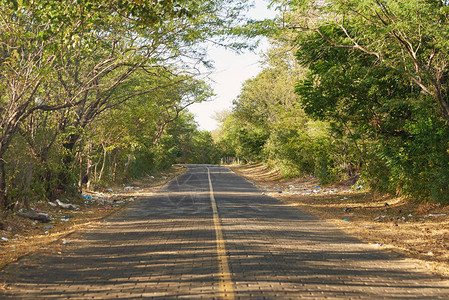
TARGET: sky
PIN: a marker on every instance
(231, 71)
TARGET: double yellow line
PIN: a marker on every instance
(226, 291)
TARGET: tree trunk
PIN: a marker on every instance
(95, 170)
(105, 153)
(127, 163)
(27, 184)
(68, 159)
(114, 166)
(3, 197)
(89, 167)
(81, 178)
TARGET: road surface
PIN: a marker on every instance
(212, 235)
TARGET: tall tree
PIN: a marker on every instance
(73, 55)
(378, 73)
(403, 36)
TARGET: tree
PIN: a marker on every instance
(74, 55)
(377, 73)
(405, 37)
(138, 127)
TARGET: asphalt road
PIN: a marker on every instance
(211, 234)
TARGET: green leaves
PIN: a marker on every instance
(78, 63)
(375, 73)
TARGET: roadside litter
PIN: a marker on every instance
(436, 215)
(66, 205)
(41, 217)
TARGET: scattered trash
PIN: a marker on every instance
(378, 244)
(52, 204)
(344, 198)
(358, 188)
(65, 242)
(65, 219)
(41, 217)
(347, 209)
(66, 205)
(369, 227)
(4, 239)
(346, 220)
(48, 227)
(131, 199)
(263, 193)
(88, 197)
(430, 253)
(436, 215)
(128, 188)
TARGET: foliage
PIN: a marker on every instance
(68, 68)
(371, 100)
(268, 124)
(377, 72)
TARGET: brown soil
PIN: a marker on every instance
(20, 236)
(418, 230)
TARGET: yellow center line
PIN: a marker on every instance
(226, 291)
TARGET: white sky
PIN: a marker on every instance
(231, 70)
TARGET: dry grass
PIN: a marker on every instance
(417, 230)
(26, 236)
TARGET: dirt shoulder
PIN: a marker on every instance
(420, 231)
(21, 236)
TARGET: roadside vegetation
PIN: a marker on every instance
(95, 94)
(351, 90)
